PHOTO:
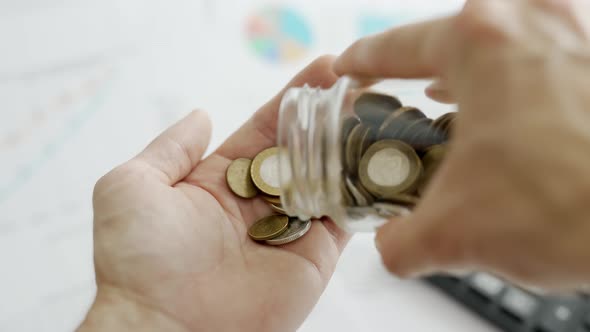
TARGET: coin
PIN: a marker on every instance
(398, 121)
(278, 208)
(444, 123)
(361, 196)
(372, 108)
(348, 123)
(367, 138)
(390, 167)
(414, 129)
(391, 210)
(366, 194)
(265, 171)
(430, 136)
(403, 199)
(271, 199)
(268, 227)
(295, 230)
(351, 148)
(433, 157)
(450, 125)
(431, 160)
(347, 198)
(239, 180)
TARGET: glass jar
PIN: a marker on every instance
(355, 154)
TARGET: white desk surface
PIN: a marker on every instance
(74, 102)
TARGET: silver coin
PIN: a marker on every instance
(296, 229)
(391, 210)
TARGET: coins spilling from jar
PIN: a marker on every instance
(260, 177)
(389, 154)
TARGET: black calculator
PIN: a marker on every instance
(513, 309)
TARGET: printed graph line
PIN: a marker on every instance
(49, 150)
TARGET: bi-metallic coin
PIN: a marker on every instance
(390, 167)
(265, 171)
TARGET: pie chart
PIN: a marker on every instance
(278, 34)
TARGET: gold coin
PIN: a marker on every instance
(268, 227)
(443, 124)
(398, 121)
(372, 108)
(265, 172)
(404, 199)
(347, 199)
(390, 167)
(348, 123)
(433, 157)
(367, 138)
(366, 194)
(431, 161)
(238, 178)
(278, 208)
(360, 138)
(351, 148)
(389, 210)
(361, 196)
(450, 125)
(271, 199)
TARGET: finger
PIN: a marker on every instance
(174, 153)
(259, 131)
(411, 248)
(439, 91)
(412, 51)
(401, 247)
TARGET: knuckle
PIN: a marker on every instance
(476, 22)
(323, 61)
(118, 174)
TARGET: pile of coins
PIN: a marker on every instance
(389, 153)
(259, 177)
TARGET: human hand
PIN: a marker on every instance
(171, 244)
(512, 196)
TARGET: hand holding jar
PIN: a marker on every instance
(512, 194)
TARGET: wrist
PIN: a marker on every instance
(114, 311)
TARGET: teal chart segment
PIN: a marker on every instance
(278, 34)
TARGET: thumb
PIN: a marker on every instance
(174, 153)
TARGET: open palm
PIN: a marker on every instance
(172, 238)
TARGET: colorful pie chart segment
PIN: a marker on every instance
(278, 35)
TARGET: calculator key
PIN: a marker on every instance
(559, 314)
(519, 303)
(486, 284)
